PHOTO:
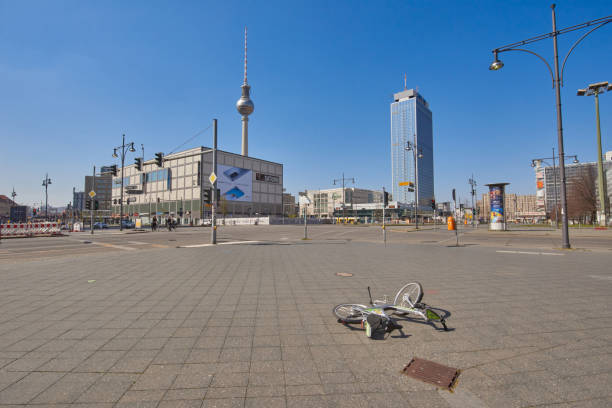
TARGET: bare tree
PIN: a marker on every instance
(582, 195)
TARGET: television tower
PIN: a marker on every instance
(245, 105)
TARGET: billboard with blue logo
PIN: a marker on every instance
(235, 183)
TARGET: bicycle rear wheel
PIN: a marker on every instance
(350, 313)
(409, 295)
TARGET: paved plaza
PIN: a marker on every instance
(165, 320)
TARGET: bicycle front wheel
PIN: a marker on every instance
(409, 295)
(350, 313)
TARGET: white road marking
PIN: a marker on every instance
(220, 243)
(104, 244)
(138, 243)
(600, 277)
(529, 253)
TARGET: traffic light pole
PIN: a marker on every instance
(91, 210)
(383, 222)
(213, 219)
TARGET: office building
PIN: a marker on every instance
(325, 202)
(581, 179)
(248, 187)
(103, 189)
(411, 125)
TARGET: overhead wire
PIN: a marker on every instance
(190, 139)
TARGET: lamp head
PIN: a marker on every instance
(115, 153)
(132, 148)
(497, 64)
(532, 163)
(575, 160)
(581, 92)
(420, 156)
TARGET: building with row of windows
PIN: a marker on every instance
(325, 202)
(247, 186)
(412, 137)
(581, 187)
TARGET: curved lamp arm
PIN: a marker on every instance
(574, 46)
(552, 77)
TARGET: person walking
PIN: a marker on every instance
(154, 224)
(169, 223)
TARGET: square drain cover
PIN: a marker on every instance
(432, 373)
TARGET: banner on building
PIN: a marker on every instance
(235, 183)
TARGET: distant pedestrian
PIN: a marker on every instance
(154, 224)
(169, 223)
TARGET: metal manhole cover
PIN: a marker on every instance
(432, 373)
(345, 274)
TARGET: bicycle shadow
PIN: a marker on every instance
(376, 335)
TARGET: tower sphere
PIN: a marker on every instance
(245, 105)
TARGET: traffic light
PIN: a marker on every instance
(88, 204)
(433, 204)
(159, 159)
(96, 204)
(386, 198)
(138, 163)
(114, 169)
(207, 196)
(218, 195)
(34, 212)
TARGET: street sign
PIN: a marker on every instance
(92, 194)
(212, 178)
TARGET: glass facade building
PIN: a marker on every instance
(411, 121)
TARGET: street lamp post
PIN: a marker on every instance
(596, 89)
(123, 149)
(536, 163)
(45, 184)
(557, 78)
(417, 153)
(472, 183)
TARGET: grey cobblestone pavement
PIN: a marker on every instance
(251, 326)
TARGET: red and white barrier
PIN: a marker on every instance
(29, 229)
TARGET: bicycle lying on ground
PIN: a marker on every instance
(376, 318)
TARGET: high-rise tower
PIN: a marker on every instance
(411, 127)
(245, 105)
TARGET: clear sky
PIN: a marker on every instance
(76, 75)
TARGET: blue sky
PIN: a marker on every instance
(75, 75)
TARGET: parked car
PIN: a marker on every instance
(127, 224)
(100, 225)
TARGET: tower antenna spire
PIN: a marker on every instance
(405, 87)
(245, 54)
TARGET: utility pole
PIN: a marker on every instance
(45, 184)
(383, 226)
(91, 210)
(344, 179)
(213, 182)
(473, 191)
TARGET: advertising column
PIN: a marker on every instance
(497, 220)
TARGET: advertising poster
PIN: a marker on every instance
(540, 195)
(496, 196)
(235, 183)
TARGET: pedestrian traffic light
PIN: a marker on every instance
(138, 163)
(96, 204)
(114, 169)
(159, 159)
(433, 204)
(88, 205)
(207, 196)
(386, 198)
